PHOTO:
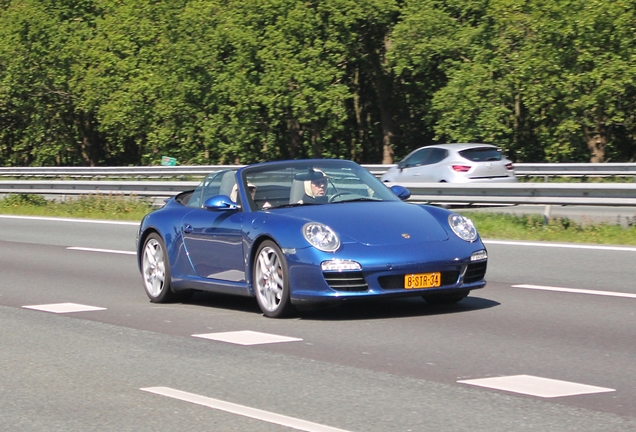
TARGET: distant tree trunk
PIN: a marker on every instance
(517, 118)
(316, 143)
(387, 145)
(383, 85)
(90, 142)
(361, 127)
(293, 126)
(596, 142)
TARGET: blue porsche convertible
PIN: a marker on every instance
(307, 232)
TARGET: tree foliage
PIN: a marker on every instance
(547, 80)
(122, 82)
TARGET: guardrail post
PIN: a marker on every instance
(547, 211)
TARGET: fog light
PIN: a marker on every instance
(479, 255)
(340, 265)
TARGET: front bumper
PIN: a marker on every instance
(379, 278)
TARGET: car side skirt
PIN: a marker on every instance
(212, 285)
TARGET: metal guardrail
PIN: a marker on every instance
(599, 194)
(521, 169)
(113, 172)
(96, 187)
(575, 169)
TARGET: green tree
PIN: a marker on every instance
(38, 123)
(547, 80)
(120, 82)
(285, 86)
(432, 39)
(127, 77)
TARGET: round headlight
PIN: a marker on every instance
(463, 227)
(321, 237)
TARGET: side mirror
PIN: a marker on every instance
(220, 202)
(401, 192)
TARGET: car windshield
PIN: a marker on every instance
(297, 183)
(481, 154)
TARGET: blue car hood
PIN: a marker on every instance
(374, 223)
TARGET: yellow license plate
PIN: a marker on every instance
(422, 280)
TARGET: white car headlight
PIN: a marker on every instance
(463, 227)
(321, 237)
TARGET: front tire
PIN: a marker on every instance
(271, 281)
(155, 269)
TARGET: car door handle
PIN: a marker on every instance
(187, 228)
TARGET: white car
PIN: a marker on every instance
(453, 163)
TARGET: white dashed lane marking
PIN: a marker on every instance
(76, 248)
(246, 337)
(536, 386)
(64, 308)
(70, 220)
(242, 410)
(561, 245)
(576, 291)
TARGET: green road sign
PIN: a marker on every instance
(168, 161)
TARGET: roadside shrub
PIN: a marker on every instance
(20, 200)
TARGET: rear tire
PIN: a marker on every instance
(270, 278)
(155, 270)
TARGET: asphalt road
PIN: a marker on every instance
(553, 332)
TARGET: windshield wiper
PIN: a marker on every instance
(291, 205)
(362, 199)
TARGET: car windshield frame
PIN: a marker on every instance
(276, 183)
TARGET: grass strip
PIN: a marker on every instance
(504, 226)
(109, 207)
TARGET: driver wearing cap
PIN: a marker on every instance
(315, 188)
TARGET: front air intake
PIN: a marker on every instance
(475, 272)
(346, 281)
